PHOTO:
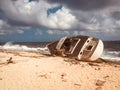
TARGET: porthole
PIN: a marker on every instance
(80, 52)
(87, 41)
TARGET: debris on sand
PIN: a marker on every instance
(44, 75)
(93, 64)
(77, 84)
(9, 60)
(63, 77)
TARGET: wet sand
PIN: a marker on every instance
(21, 70)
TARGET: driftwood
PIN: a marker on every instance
(7, 61)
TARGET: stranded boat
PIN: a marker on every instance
(77, 47)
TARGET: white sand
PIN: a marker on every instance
(33, 71)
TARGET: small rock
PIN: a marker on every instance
(106, 76)
(100, 82)
(77, 84)
(115, 66)
(63, 74)
(1, 79)
(97, 68)
(64, 80)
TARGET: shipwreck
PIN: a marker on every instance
(77, 47)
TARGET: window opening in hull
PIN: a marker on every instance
(89, 47)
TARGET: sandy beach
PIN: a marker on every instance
(20, 70)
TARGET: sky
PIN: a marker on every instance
(47, 20)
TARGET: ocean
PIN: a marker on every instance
(111, 48)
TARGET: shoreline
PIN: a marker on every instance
(99, 60)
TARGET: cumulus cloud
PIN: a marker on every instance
(100, 15)
(62, 19)
(34, 13)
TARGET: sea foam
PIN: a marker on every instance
(11, 46)
(111, 55)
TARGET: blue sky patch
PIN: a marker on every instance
(53, 10)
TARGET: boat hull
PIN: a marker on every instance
(78, 47)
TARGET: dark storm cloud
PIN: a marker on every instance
(116, 15)
(86, 4)
(1, 15)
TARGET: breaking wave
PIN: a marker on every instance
(11, 46)
(111, 55)
(107, 54)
